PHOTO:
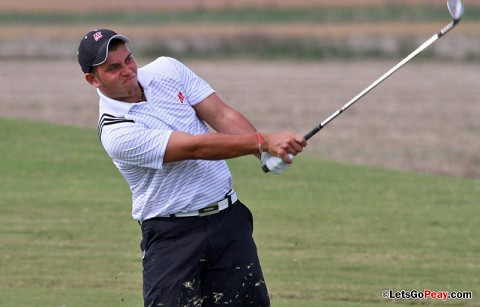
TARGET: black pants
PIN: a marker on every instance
(202, 261)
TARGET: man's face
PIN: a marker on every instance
(117, 77)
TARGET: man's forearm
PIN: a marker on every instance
(210, 146)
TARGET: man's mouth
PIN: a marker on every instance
(129, 79)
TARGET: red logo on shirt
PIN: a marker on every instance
(181, 97)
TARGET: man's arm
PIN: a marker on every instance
(225, 119)
(222, 117)
(209, 146)
(236, 137)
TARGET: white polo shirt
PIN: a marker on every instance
(135, 136)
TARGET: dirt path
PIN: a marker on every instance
(425, 118)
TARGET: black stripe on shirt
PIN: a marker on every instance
(108, 119)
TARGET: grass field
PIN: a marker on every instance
(329, 234)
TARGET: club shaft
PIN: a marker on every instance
(456, 10)
(381, 79)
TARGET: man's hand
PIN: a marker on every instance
(283, 145)
(279, 150)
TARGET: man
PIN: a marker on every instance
(197, 240)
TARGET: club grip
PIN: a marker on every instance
(313, 132)
(265, 169)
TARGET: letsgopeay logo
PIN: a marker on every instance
(427, 294)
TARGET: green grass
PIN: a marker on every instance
(259, 46)
(329, 234)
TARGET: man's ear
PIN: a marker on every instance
(92, 79)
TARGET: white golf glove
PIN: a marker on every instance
(274, 164)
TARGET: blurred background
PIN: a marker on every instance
(285, 64)
(265, 28)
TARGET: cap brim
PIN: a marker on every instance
(103, 51)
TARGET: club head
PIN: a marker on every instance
(456, 9)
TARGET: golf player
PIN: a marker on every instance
(197, 242)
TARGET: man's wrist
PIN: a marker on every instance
(260, 143)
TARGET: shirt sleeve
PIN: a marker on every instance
(195, 88)
(132, 144)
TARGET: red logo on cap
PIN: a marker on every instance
(97, 36)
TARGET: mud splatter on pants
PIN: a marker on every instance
(202, 261)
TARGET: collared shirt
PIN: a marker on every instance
(135, 136)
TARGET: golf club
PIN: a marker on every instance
(455, 7)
